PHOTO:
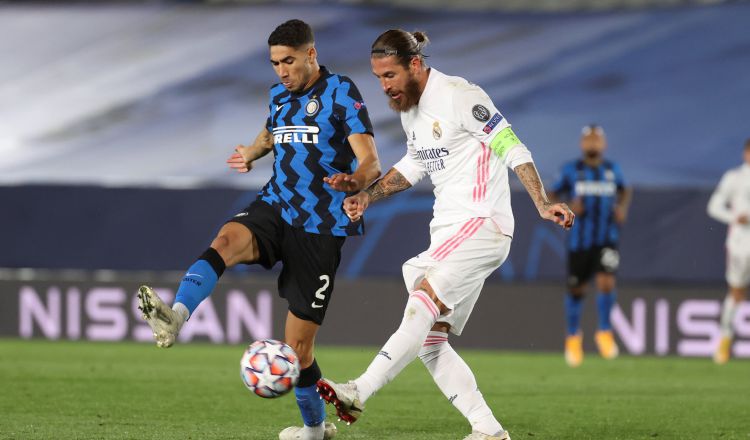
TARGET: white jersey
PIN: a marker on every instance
(448, 137)
(730, 200)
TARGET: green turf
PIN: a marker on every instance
(77, 390)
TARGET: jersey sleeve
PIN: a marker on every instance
(350, 109)
(563, 184)
(718, 204)
(410, 166)
(480, 117)
(619, 178)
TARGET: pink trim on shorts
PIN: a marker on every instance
(466, 231)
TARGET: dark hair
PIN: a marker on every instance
(292, 33)
(401, 44)
(747, 144)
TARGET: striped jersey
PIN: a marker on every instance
(310, 131)
(597, 187)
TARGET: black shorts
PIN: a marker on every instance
(309, 260)
(582, 265)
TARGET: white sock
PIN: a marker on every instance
(313, 432)
(181, 310)
(420, 315)
(727, 316)
(457, 382)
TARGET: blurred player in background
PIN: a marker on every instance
(730, 204)
(321, 136)
(455, 135)
(597, 194)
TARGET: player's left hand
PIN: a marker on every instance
(559, 213)
(343, 182)
(620, 215)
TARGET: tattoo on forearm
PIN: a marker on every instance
(391, 183)
(530, 179)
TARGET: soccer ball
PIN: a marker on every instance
(269, 368)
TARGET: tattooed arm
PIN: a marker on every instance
(392, 183)
(555, 212)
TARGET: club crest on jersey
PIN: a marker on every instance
(437, 133)
(312, 107)
(480, 113)
(295, 134)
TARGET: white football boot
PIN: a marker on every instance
(344, 396)
(165, 322)
(297, 432)
(479, 436)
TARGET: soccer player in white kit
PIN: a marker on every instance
(730, 204)
(457, 137)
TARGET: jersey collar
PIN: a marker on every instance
(432, 83)
(324, 74)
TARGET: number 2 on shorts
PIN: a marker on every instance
(319, 293)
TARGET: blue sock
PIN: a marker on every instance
(312, 407)
(604, 303)
(573, 307)
(200, 279)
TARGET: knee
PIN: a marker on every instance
(605, 283)
(577, 291)
(235, 246)
(738, 293)
(222, 243)
(425, 286)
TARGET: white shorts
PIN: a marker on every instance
(738, 270)
(459, 259)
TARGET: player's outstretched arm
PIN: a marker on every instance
(243, 157)
(392, 183)
(368, 168)
(558, 213)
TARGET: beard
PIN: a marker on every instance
(592, 154)
(409, 97)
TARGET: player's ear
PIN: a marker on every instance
(312, 54)
(415, 64)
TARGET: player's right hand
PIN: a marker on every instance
(558, 213)
(237, 161)
(354, 206)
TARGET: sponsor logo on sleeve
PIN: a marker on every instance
(496, 118)
(358, 105)
(480, 113)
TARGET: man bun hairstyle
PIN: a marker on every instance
(293, 33)
(401, 44)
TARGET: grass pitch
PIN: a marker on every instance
(79, 390)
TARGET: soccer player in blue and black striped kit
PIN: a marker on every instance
(321, 136)
(599, 197)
